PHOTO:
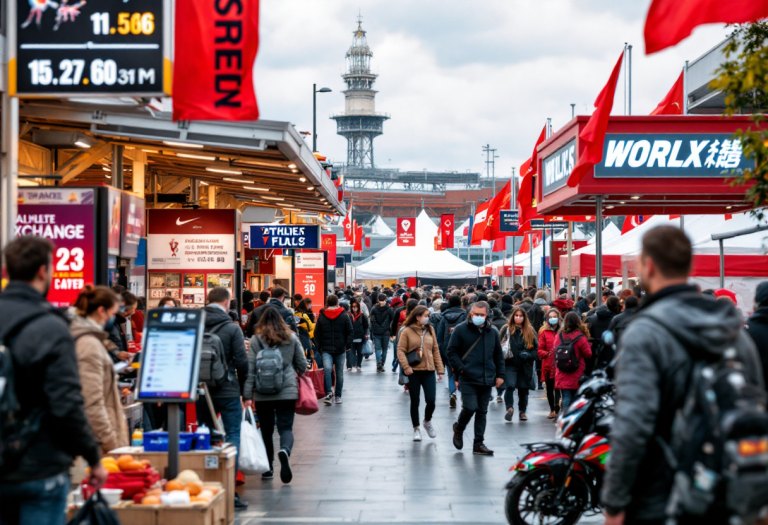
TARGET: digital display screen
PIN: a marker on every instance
(167, 369)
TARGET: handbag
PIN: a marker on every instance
(253, 454)
(317, 377)
(95, 511)
(306, 404)
(368, 347)
(414, 356)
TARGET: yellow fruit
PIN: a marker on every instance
(111, 467)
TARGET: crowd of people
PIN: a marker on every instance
(483, 340)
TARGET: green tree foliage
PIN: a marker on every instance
(743, 78)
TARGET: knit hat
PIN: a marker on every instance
(722, 292)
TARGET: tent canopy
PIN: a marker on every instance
(422, 260)
(379, 227)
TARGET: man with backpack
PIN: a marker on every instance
(381, 322)
(452, 317)
(40, 390)
(333, 337)
(224, 369)
(276, 301)
(678, 342)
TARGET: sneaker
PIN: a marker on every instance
(359, 369)
(328, 400)
(499, 400)
(430, 429)
(458, 437)
(338, 400)
(509, 414)
(286, 474)
(349, 369)
(482, 450)
(452, 402)
(268, 474)
(240, 504)
(523, 417)
(416, 434)
(552, 415)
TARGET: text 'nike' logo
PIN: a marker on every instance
(179, 222)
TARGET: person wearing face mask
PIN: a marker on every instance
(96, 309)
(547, 345)
(359, 335)
(519, 348)
(167, 302)
(474, 353)
(419, 355)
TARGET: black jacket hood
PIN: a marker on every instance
(214, 316)
(26, 301)
(451, 315)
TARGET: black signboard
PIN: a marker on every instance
(541, 225)
(509, 221)
(86, 47)
(558, 167)
(671, 155)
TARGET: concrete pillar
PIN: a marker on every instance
(139, 171)
(212, 197)
(9, 168)
(194, 191)
(117, 166)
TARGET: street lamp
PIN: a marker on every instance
(315, 91)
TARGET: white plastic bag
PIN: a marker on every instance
(253, 454)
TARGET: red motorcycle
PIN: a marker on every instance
(558, 482)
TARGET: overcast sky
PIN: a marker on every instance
(456, 75)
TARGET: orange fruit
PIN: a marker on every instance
(151, 500)
(173, 485)
(124, 460)
(193, 488)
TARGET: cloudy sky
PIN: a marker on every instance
(456, 75)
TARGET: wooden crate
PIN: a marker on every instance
(215, 513)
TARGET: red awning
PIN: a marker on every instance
(583, 265)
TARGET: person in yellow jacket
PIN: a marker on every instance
(305, 323)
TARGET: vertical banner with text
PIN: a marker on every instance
(309, 277)
(447, 224)
(406, 231)
(328, 244)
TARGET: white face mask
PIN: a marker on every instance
(424, 320)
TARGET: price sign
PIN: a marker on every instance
(309, 277)
(79, 47)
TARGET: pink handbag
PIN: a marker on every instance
(306, 405)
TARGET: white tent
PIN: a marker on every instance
(751, 244)
(459, 235)
(610, 233)
(422, 260)
(379, 227)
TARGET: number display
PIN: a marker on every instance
(70, 260)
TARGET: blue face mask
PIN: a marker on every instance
(553, 321)
(478, 320)
(110, 324)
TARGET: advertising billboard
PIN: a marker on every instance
(271, 236)
(406, 231)
(133, 216)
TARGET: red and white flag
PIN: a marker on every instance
(406, 231)
(349, 233)
(633, 221)
(478, 224)
(447, 226)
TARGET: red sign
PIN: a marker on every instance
(215, 48)
(561, 248)
(438, 246)
(406, 231)
(65, 216)
(328, 244)
(447, 226)
(309, 277)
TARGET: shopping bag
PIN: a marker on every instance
(253, 454)
(306, 405)
(317, 377)
(402, 379)
(95, 511)
(368, 347)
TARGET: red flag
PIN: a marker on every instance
(447, 223)
(673, 102)
(534, 168)
(500, 244)
(215, 48)
(526, 199)
(499, 202)
(670, 21)
(728, 216)
(329, 245)
(349, 233)
(593, 134)
(525, 245)
(358, 238)
(633, 221)
(367, 241)
(478, 226)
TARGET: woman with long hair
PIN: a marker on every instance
(272, 333)
(418, 341)
(547, 345)
(96, 308)
(519, 345)
(305, 325)
(575, 333)
(359, 336)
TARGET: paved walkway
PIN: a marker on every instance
(356, 462)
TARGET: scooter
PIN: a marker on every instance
(557, 482)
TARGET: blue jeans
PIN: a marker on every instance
(451, 380)
(381, 343)
(35, 502)
(329, 361)
(231, 417)
(567, 396)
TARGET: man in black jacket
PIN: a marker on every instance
(452, 317)
(621, 321)
(276, 301)
(381, 322)
(533, 311)
(474, 352)
(226, 398)
(35, 482)
(333, 337)
(757, 325)
(674, 326)
(599, 323)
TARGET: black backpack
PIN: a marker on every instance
(268, 372)
(15, 432)
(719, 444)
(453, 320)
(214, 371)
(565, 355)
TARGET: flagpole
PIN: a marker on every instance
(530, 251)
(570, 254)
(512, 206)
(599, 250)
(685, 88)
(629, 79)
(625, 80)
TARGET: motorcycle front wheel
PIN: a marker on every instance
(531, 496)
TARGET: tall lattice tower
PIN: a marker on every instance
(360, 123)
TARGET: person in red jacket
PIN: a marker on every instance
(568, 382)
(548, 341)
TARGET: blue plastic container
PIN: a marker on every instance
(202, 441)
(158, 441)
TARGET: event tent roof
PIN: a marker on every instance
(422, 260)
(379, 227)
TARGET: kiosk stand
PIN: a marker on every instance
(170, 365)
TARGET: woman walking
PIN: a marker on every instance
(359, 335)
(272, 332)
(305, 325)
(96, 308)
(519, 344)
(547, 344)
(567, 375)
(419, 355)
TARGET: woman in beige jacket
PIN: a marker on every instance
(96, 309)
(419, 336)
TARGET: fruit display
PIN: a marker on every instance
(186, 488)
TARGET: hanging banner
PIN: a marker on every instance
(406, 231)
(309, 277)
(446, 230)
(268, 236)
(66, 217)
(191, 239)
(329, 245)
(133, 225)
(438, 246)
(214, 51)
(508, 221)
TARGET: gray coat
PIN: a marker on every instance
(652, 371)
(294, 362)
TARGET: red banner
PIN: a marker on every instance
(406, 231)
(328, 244)
(215, 48)
(561, 248)
(358, 238)
(447, 226)
(438, 246)
(309, 277)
